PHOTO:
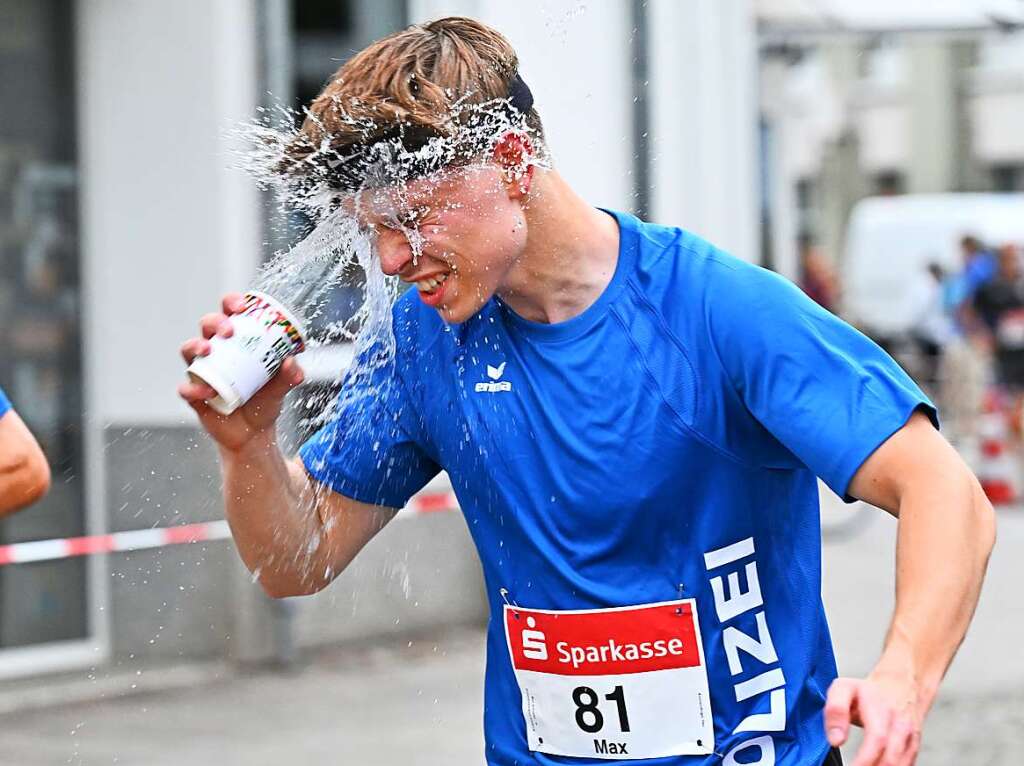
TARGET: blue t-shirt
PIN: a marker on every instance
(663, 443)
(981, 269)
(5, 403)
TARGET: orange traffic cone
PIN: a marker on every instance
(997, 468)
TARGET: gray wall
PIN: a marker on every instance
(419, 573)
(167, 227)
(173, 601)
(197, 600)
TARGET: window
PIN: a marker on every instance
(889, 183)
(39, 307)
(1008, 178)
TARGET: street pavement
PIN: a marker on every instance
(417, 702)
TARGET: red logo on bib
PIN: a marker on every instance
(606, 642)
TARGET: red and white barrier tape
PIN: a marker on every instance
(158, 537)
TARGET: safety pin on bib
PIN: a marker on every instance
(512, 604)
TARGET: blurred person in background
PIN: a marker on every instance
(24, 472)
(979, 265)
(649, 454)
(932, 328)
(999, 304)
(818, 277)
(965, 365)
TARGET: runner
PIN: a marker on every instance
(632, 421)
(24, 472)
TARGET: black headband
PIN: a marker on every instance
(401, 152)
(520, 97)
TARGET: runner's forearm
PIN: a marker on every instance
(273, 517)
(946, 532)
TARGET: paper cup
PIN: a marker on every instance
(265, 334)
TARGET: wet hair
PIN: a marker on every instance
(442, 83)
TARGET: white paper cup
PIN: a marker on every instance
(265, 334)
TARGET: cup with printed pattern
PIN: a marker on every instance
(265, 334)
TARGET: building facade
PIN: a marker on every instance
(125, 220)
(859, 114)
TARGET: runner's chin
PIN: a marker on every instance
(454, 308)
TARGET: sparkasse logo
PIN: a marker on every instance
(495, 384)
(534, 641)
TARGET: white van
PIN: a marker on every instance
(891, 240)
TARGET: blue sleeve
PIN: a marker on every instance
(371, 449)
(829, 394)
(5, 403)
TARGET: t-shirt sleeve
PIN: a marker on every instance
(5, 403)
(829, 394)
(371, 449)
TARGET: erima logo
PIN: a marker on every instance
(495, 384)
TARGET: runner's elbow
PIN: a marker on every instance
(275, 586)
(276, 591)
(25, 479)
(984, 520)
(40, 479)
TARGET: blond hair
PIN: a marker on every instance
(417, 79)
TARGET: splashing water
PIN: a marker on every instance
(330, 187)
(558, 24)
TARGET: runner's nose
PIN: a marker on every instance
(394, 251)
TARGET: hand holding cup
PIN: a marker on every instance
(241, 367)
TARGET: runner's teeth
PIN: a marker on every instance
(429, 285)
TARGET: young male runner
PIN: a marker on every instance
(24, 472)
(632, 421)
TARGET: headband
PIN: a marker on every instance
(401, 152)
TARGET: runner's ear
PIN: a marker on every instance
(514, 154)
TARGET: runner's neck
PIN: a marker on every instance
(571, 253)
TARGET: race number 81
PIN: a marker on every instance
(589, 717)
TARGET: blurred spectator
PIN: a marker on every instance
(999, 303)
(979, 266)
(817, 277)
(932, 328)
(964, 365)
(24, 472)
(980, 263)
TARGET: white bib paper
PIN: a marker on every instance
(621, 684)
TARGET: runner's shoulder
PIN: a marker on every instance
(690, 277)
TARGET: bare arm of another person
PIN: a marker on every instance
(24, 472)
(293, 533)
(945, 535)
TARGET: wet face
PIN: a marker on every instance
(455, 236)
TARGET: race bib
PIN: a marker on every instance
(620, 684)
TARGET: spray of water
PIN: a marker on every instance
(329, 188)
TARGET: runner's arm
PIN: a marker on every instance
(24, 472)
(946, 531)
(294, 534)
